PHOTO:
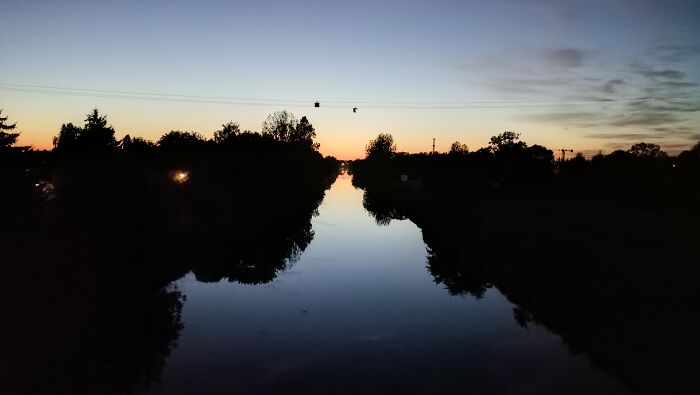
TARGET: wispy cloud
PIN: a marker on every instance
(673, 53)
(605, 97)
(610, 86)
(562, 118)
(623, 136)
(665, 100)
(646, 119)
(567, 57)
(651, 73)
(646, 114)
(679, 84)
(636, 137)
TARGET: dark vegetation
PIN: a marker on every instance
(94, 231)
(603, 252)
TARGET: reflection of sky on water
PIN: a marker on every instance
(358, 312)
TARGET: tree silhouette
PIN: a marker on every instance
(7, 140)
(229, 131)
(647, 151)
(280, 125)
(178, 139)
(96, 135)
(136, 145)
(458, 148)
(304, 133)
(540, 153)
(68, 137)
(506, 142)
(382, 147)
(693, 154)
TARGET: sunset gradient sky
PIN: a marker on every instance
(599, 74)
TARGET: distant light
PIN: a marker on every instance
(181, 177)
(47, 189)
(674, 165)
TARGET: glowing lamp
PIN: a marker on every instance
(181, 177)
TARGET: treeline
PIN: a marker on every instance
(219, 193)
(97, 137)
(601, 251)
(641, 175)
(92, 233)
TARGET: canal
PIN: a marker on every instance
(357, 312)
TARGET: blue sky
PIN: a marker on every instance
(583, 75)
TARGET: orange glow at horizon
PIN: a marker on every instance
(341, 134)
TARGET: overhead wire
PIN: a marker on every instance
(401, 105)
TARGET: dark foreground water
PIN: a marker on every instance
(359, 313)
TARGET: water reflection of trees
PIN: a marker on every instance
(86, 273)
(613, 273)
(624, 296)
(382, 212)
(73, 325)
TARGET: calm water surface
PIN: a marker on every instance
(358, 312)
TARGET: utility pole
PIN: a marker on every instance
(563, 153)
(433, 144)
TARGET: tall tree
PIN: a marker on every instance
(458, 149)
(229, 131)
(68, 138)
(7, 139)
(96, 135)
(304, 133)
(647, 151)
(280, 126)
(506, 142)
(382, 147)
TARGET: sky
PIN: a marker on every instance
(588, 76)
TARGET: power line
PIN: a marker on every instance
(132, 97)
(286, 104)
(447, 105)
(151, 93)
(139, 93)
